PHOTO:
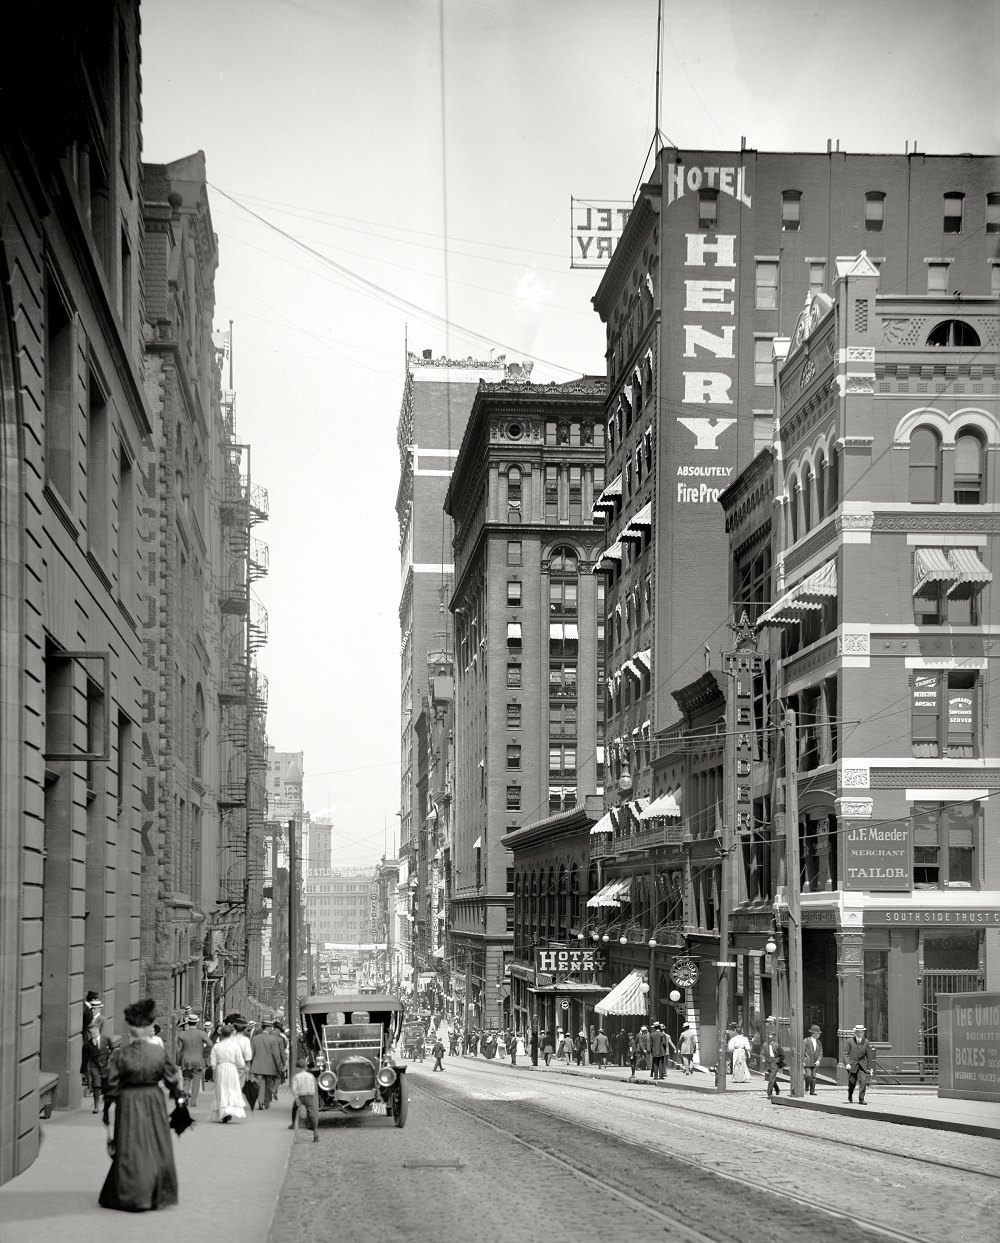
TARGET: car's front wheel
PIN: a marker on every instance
(400, 1102)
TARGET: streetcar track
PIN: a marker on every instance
(607, 1088)
(671, 1220)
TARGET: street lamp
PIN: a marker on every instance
(675, 996)
(772, 945)
(623, 940)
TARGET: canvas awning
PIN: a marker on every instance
(603, 896)
(636, 526)
(607, 498)
(809, 594)
(665, 805)
(931, 568)
(614, 552)
(513, 632)
(627, 996)
(606, 824)
(970, 573)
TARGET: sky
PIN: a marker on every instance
(393, 174)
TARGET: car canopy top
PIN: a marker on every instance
(347, 1003)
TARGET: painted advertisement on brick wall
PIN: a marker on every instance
(969, 1046)
(877, 856)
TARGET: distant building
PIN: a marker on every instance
(338, 906)
(437, 397)
(528, 615)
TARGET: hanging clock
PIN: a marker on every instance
(684, 972)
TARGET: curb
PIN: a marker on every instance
(878, 1115)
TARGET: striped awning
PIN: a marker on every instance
(627, 996)
(605, 895)
(606, 824)
(633, 668)
(931, 568)
(614, 552)
(970, 573)
(665, 805)
(607, 498)
(637, 525)
(646, 659)
(809, 594)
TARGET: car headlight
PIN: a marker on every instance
(386, 1077)
(327, 1080)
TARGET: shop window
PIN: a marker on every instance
(945, 716)
(876, 991)
(766, 285)
(874, 211)
(946, 838)
(791, 211)
(925, 466)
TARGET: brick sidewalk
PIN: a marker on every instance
(229, 1180)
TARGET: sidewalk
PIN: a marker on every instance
(906, 1106)
(229, 1180)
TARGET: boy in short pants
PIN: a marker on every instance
(306, 1095)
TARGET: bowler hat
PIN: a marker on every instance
(815, 1028)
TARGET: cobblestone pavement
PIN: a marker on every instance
(528, 1160)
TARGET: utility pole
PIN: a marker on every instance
(293, 911)
(794, 905)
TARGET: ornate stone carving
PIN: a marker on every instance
(987, 524)
(855, 777)
(854, 643)
(860, 354)
(808, 373)
(859, 384)
(914, 778)
(854, 808)
(855, 522)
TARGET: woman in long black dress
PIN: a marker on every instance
(142, 1174)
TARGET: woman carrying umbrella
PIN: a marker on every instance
(142, 1174)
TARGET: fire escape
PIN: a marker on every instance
(243, 700)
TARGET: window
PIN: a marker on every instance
(552, 494)
(708, 209)
(925, 466)
(563, 561)
(514, 676)
(98, 470)
(126, 528)
(514, 486)
(551, 432)
(937, 277)
(562, 681)
(993, 212)
(954, 208)
(995, 280)
(954, 334)
(514, 636)
(513, 591)
(513, 716)
(125, 300)
(513, 755)
(59, 350)
(124, 104)
(817, 276)
(575, 495)
(791, 211)
(762, 373)
(945, 839)
(945, 714)
(876, 994)
(767, 285)
(562, 720)
(562, 763)
(513, 552)
(968, 482)
(874, 211)
(513, 798)
(562, 598)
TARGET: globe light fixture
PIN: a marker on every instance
(675, 996)
(623, 940)
(605, 938)
(652, 943)
(771, 945)
(596, 936)
(579, 936)
(644, 987)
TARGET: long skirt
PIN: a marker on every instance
(142, 1174)
(740, 1072)
(229, 1098)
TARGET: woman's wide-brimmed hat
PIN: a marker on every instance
(141, 1013)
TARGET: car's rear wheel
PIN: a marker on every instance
(400, 1102)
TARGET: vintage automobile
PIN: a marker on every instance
(413, 1041)
(350, 1041)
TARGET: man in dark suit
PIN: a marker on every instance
(859, 1057)
(773, 1057)
(268, 1060)
(812, 1052)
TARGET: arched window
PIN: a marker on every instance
(955, 334)
(793, 508)
(833, 483)
(968, 486)
(807, 502)
(925, 466)
(563, 561)
(822, 483)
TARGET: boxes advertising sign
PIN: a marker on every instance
(969, 1046)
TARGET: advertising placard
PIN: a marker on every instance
(969, 1046)
(877, 856)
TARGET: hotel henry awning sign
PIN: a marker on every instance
(569, 960)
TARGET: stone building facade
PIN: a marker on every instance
(75, 432)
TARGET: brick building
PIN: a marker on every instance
(75, 430)
(527, 637)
